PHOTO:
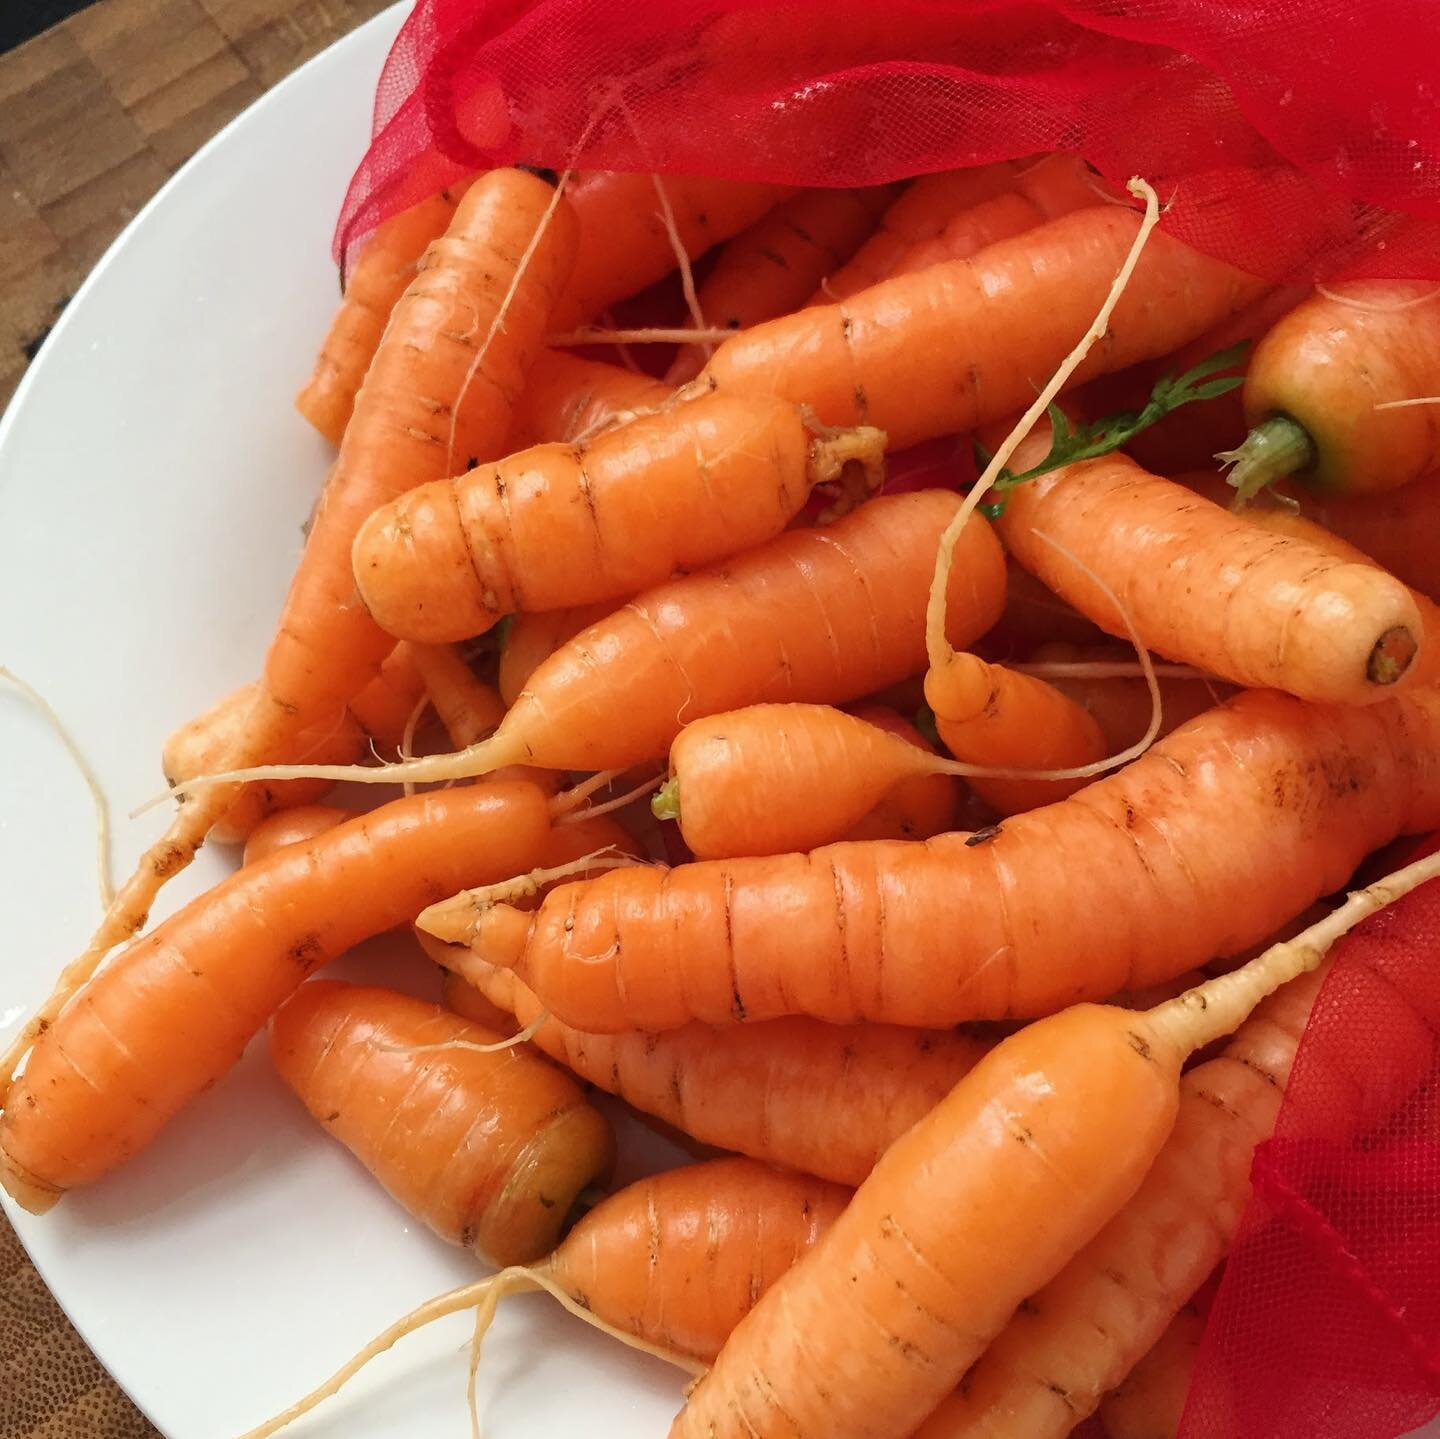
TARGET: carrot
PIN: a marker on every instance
(468, 708)
(957, 345)
(625, 242)
(494, 271)
(766, 625)
(825, 1099)
(174, 1011)
(1143, 874)
(916, 808)
(291, 826)
(567, 398)
(530, 639)
(920, 213)
(467, 1001)
(978, 1206)
(1077, 1338)
(989, 715)
(1327, 388)
(1203, 587)
(202, 744)
(1151, 1402)
(771, 268)
(669, 1265)
(561, 525)
(1101, 680)
(379, 276)
(1054, 186)
(1397, 529)
(384, 707)
(490, 1150)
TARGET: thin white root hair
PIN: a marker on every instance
(594, 811)
(1395, 308)
(1106, 670)
(407, 737)
(521, 1036)
(484, 1296)
(577, 794)
(936, 644)
(682, 257)
(92, 783)
(1220, 1005)
(1407, 404)
(626, 358)
(648, 335)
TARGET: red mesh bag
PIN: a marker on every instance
(1293, 138)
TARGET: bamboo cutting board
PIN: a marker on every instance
(94, 116)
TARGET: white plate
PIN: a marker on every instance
(153, 480)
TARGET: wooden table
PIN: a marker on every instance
(94, 116)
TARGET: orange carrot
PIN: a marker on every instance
(1151, 1402)
(669, 1265)
(921, 212)
(384, 267)
(568, 399)
(826, 1099)
(948, 348)
(978, 1206)
(490, 1150)
(1204, 588)
(1077, 1338)
(1141, 875)
(482, 294)
(771, 268)
(1326, 392)
(1397, 529)
(174, 1011)
(561, 525)
(531, 639)
(202, 745)
(766, 625)
(625, 243)
(989, 715)
(468, 708)
(291, 826)
(385, 705)
(916, 808)
(1054, 186)
(467, 1001)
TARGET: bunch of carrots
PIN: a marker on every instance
(905, 843)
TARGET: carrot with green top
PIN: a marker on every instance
(978, 1206)
(1141, 875)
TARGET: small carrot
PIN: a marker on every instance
(669, 1265)
(763, 626)
(559, 525)
(1150, 1403)
(990, 715)
(384, 267)
(1045, 190)
(1143, 874)
(174, 1011)
(1399, 529)
(1203, 587)
(490, 1149)
(493, 275)
(978, 1206)
(384, 707)
(771, 268)
(1329, 391)
(626, 243)
(1077, 1338)
(568, 399)
(291, 826)
(916, 808)
(202, 744)
(530, 640)
(824, 1099)
(920, 213)
(954, 346)
(468, 708)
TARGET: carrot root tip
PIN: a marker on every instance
(31, 1194)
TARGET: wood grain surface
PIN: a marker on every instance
(94, 116)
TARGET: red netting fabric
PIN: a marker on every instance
(1293, 136)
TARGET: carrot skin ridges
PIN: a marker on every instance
(1299, 793)
(489, 1150)
(170, 1014)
